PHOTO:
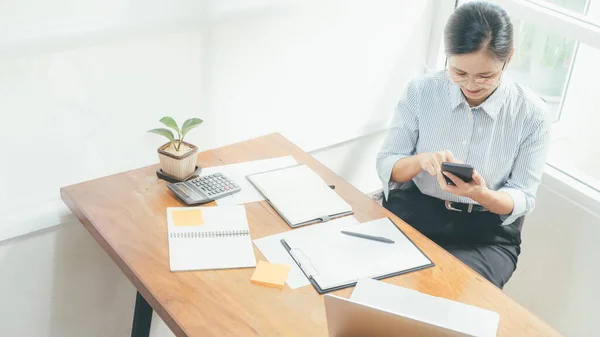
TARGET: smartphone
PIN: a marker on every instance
(463, 171)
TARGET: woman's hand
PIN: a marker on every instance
(432, 161)
(472, 190)
(498, 202)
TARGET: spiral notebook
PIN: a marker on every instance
(203, 238)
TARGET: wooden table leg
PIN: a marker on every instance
(142, 317)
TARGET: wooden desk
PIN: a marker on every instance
(126, 214)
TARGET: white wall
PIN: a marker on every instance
(59, 282)
(80, 84)
(558, 269)
(354, 160)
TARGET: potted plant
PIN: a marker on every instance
(177, 158)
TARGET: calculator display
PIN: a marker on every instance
(184, 189)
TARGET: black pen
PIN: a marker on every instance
(369, 237)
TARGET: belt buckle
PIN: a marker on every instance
(449, 206)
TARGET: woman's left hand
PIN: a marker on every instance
(463, 189)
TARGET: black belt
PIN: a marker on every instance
(460, 207)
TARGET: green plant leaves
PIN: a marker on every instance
(163, 132)
(170, 122)
(190, 124)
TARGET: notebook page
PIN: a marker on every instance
(300, 194)
(196, 247)
(341, 259)
(211, 253)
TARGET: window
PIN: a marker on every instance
(575, 144)
(542, 62)
(565, 6)
(562, 70)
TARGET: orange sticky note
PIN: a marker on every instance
(187, 217)
(270, 274)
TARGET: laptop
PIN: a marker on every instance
(347, 318)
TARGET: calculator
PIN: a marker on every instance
(204, 189)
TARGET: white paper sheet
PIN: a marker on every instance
(338, 259)
(456, 316)
(238, 172)
(272, 249)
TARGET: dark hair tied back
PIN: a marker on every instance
(478, 26)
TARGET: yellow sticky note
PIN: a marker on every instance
(270, 274)
(187, 217)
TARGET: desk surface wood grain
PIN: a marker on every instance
(126, 214)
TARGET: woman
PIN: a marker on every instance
(470, 113)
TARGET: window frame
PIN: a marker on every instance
(565, 22)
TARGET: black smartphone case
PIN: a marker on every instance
(464, 172)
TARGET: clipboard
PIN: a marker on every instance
(309, 273)
(322, 218)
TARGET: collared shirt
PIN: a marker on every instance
(505, 139)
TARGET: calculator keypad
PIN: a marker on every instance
(204, 189)
(214, 185)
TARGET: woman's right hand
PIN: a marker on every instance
(432, 161)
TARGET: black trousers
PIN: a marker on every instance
(478, 239)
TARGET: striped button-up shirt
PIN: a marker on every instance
(505, 139)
